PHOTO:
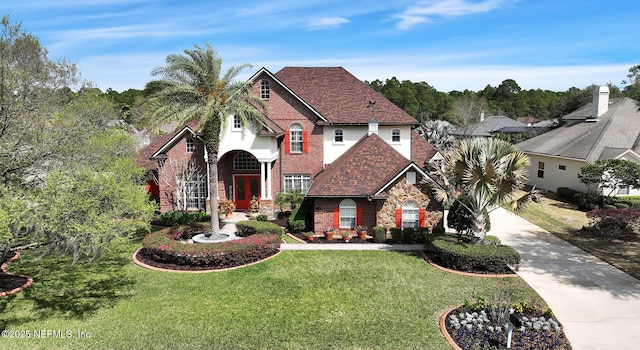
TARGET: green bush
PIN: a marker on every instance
(396, 234)
(438, 230)
(460, 255)
(491, 241)
(618, 205)
(423, 234)
(175, 217)
(159, 246)
(248, 228)
(379, 234)
(262, 217)
(298, 220)
(461, 220)
(408, 235)
(609, 207)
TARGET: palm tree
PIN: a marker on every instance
(438, 133)
(486, 173)
(192, 88)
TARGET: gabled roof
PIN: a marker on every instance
(421, 150)
(340, 97)
(591, 139)
(364, 170)
(488, 126)
(143, 156)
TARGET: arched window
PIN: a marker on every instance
(338, 136)
(410, 214)
(295, 138)
(348, 213)
(245, 161)
(395, 135)
(264, 89)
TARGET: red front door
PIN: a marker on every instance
(245, 187)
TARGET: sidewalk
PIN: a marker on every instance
(597, 304)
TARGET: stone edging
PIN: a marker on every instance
(146, 266)
(443, 328)
(468, 274)
(19, 289)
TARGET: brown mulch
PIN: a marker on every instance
(11, 283)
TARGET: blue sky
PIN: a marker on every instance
(450, 44)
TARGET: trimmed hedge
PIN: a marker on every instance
(459, 254)
(379, 234)
(161, 247)
(175, 217)
(248, 228)
(396, 234)
(298, 219)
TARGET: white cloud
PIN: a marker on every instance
(421, 12)
(326, 23)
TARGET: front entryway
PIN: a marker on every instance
(245, 187)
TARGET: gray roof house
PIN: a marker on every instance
(492, 125)
(601, 129)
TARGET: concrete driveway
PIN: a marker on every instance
(597, 304)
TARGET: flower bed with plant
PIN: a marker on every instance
(483, 325)
(458, 253)
(176, 217)
(613, 223)
(164, 247)
(248, 228)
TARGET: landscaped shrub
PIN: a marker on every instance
(614, 222)
(459, 254)
(408, 235)
(379, 234)
(159, 246)
(248, 228)
(422, 234)
(175, 217)
(396, 234)
(461, 220)
(262, 217)
(620, 205)
(298, 219)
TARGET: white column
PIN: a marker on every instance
(269, 194)
(262, 179)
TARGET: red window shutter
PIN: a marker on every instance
(336, 217)
(287, 142)
(422, 217)
(358, 216)
(305, 141)
(399, 217)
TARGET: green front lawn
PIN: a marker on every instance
(296, 300)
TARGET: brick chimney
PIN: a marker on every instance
(600, 101)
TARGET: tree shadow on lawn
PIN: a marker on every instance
(70, 291)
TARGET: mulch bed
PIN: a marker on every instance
(11, 283)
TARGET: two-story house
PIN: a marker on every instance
(353, 153)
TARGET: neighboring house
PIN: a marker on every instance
(602, 129)
(353, 153)
(493, 125)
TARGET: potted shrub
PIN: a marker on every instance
(328, 233)
(362, 232)
(345, 236)
(309, 236)
(227, 206)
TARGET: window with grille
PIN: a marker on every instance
(410, 214)
(348, 213)
(295, 135)
(245, 161)
(297, 182)
(338, 136)
(237, 123)
(195, 192)
(190, 145)
(395, 136)
(264, 89)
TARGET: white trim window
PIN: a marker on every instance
(396, 136)
(338, 136)
(265, 90)
(191, 146)
(195, 192)
(296, 138)
(297, 182)
(410, 214)
(347, 213)
(237, 123)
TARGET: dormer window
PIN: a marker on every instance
(264, 89)
(237, 124)
(395, 136)
(190, 145)
(338, 136)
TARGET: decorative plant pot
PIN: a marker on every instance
(328, 236)
(310, 238)
(345, 238)
(362, 235)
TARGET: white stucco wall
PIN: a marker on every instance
(352, 134)
(264, 148)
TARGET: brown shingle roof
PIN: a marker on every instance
(361, 171)
(421, 150)
(143, 156)
(340, 97)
